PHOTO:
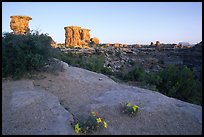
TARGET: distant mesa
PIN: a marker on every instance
(19, 24)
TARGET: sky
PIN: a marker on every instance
(113, 22)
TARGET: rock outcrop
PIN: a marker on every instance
(76, 36)
(94, 40)
(46, 106)
(72, 36)
(157, 43)
(19, 24)
(85, 35)
(54, 44)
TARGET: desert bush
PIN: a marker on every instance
(24, 53)
(135, 74)
(172, 81)
(67, 57)
(94, 62)
(99, 45)
(177, 82)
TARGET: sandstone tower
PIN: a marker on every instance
(76, 36)
(19, 24)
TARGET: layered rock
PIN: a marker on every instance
(19, 24)
(85, 35)
(76, 36)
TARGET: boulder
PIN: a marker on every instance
(94, 40)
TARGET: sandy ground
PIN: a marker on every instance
(46, 105)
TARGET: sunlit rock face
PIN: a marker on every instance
(95, 40)
(19, 24)
(76, 36)
(85, 35)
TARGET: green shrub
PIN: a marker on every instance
(172, 81)
(177, 82)
(136, 74)
(24, 53)
(93, 62)
(99, 45)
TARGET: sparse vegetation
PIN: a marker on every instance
(172, 81)
(179, 83)
(93, 62)
(129, 109)
(24, 53)
(90, 124)
(175, 82)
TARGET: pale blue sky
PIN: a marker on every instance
(113, 22)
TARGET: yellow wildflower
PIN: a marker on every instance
(99, 120)
(128, 104)
(135, 108)
(77, 129)
(104, 124)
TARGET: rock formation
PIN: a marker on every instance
(76, 36)
(157, 43)
(95, 40)
(19, 24)
(54, 44)
(85, 35)
(72, 35)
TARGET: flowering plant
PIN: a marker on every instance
(130, 109)
(89, 125)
